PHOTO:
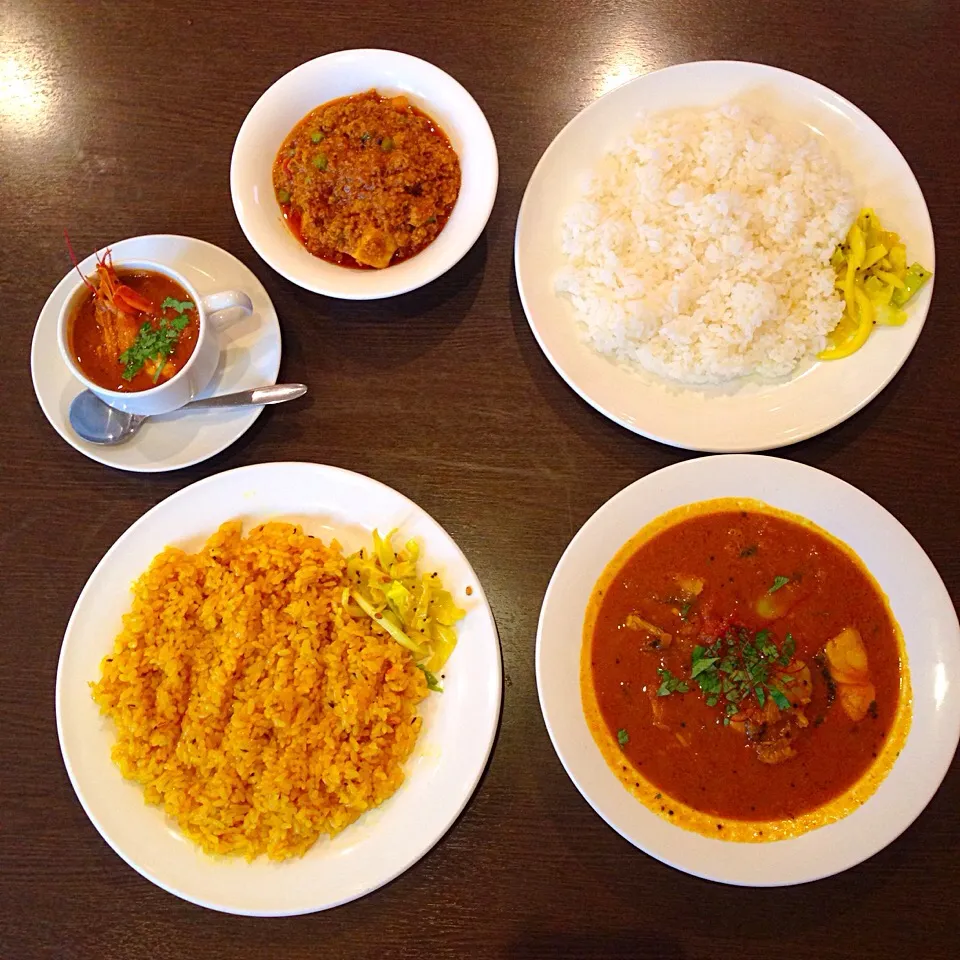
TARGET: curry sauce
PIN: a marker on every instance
(743, 673)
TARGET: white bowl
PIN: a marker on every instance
(338, 75)
(919, 601)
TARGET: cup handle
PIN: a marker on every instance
(227, 307)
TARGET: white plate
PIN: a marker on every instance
(458, 729)
(251, 359)
(750, 414)
(920, 603)
(339, 74)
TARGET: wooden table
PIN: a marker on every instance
(118, 119)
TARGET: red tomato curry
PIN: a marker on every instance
(741, 663)
(134, 330)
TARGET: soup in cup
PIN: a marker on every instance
(139, 336)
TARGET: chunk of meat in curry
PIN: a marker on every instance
(366, 180)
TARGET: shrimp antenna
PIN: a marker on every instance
(73, 259)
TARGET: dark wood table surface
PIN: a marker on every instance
(118, 119)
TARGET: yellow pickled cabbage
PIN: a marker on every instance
(873, 276)
(413, 608)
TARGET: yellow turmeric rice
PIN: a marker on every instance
(247, 700)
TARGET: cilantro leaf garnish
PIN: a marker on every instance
(178, 306)
(779, 699)
(704, 663)
(739, 667)
(156, 343)
(670, 684)
(623, 738)
(778, 582)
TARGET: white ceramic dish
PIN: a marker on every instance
(450, 755)
(338, 75)
(749, 414)
(919, 601)
(250, 358)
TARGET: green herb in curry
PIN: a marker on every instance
(158, 342)
(670, 684)
(737, 667)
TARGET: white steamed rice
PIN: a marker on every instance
(700, 249)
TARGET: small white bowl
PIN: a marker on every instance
(338, 75)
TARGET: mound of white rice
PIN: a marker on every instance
(701, 247)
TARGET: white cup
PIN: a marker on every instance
(194, 375)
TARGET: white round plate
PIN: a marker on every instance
(251, 359)
(458, 725)
(919, 601)
(340, 74)
(748, 414)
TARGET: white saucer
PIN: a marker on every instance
(251, 359)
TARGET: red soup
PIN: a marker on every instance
(135, 329)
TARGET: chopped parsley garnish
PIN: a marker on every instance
(177, 306)
(738, 667)
(778, 582)
(623, 738)
(432, 682)
(685, 609)
(158, 342)
(670, 684)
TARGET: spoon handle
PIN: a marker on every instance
(275, 393)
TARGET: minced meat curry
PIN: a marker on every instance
(366, 181)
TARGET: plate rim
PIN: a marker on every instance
(93, 452)
(827, 423)
(438, 834)
(872, 846)
(430, 275)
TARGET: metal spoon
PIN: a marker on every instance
(96, 422)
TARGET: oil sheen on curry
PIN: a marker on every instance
(366, 181)
(742, 672)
